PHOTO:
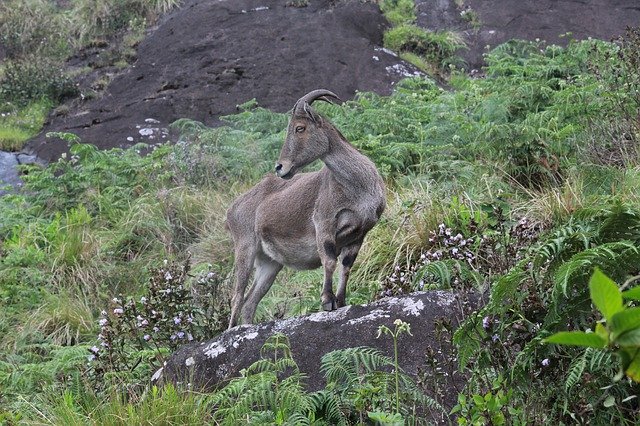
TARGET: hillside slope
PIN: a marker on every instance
(209, 56)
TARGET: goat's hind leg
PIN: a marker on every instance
(348, 257)
(266, 271)
(245, 254)
(329, 258)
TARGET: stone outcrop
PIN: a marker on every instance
(206, 364)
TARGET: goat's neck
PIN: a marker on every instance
(349, 168)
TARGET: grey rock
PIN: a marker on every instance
(9, 176)
(207, 364)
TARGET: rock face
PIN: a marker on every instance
(206, 364)
(209, 56)
(501, 20)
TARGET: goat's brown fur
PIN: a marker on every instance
(304, 220)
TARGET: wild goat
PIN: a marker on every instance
(304, 220)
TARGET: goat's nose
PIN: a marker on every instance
(278, 167)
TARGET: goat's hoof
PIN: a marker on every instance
(329, 306)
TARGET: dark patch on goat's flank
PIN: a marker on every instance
(330, 249)
(348, 260)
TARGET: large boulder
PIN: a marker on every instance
(207, 364)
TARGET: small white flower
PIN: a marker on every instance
(103, 322)
(118, 311)
(167, 276)
(177, 320)
(485, 322)
(545, 362)
(94, 349)
(146, 337)
(143, 300)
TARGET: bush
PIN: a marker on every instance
(33, 27)
(34, 78)
(439, 48)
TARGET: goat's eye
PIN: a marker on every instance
(299, 129)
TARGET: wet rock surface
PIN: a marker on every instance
(9, 173)
(206, 364)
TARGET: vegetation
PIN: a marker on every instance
(434, 52)
(517, 186)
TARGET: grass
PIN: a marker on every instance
(18, 125)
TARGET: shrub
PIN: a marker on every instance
(439, 48)
(34, 78)
(399, 12)
(33, 27)
(170, 313)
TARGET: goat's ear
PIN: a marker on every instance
(313, 116)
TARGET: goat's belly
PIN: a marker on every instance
(302, 255)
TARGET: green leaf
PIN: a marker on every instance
(624, 321)
(605, 294)
(610, 401)
(633, 370)
(602, 331)
(577, 338)
(629, 339)
(478, 400)
(632, 293)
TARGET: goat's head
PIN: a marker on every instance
(306, 139)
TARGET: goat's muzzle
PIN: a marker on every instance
(284, 171)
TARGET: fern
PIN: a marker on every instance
(575, 370)
(346, 365)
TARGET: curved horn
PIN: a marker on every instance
(309, 98)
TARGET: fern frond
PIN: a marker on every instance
(575, 370)
(345, 365)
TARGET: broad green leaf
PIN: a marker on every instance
(625, 320)
(633, 370)
(629, 339)
(602, 331)
(605, 294)
(577, 338)
(632, 293)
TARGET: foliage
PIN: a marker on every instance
(164, 318)
(31, 79)
(398, 12)
(17, 125)
(620, 327)
(438, 48)
(30, 27)
(272, 389)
